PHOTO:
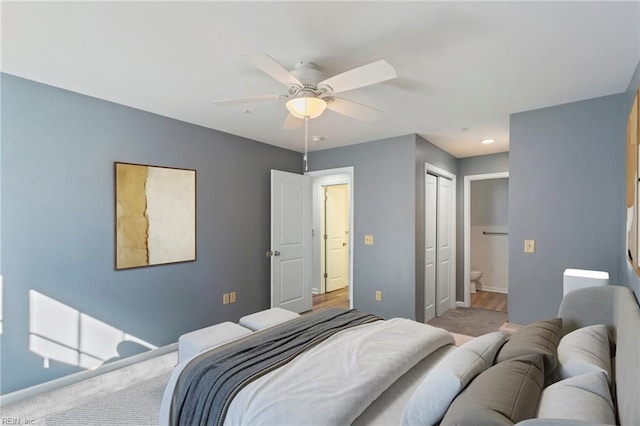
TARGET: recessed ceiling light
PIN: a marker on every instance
(317, 138)
(487, 141)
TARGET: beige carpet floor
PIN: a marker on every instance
(470, 321)
(138, 404)
(129, 395)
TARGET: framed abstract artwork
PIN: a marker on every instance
(155, 215)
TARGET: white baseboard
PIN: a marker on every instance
(32, 391)
(461, 305)
(495, 289)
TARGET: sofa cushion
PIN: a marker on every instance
(430, 400)
(556, 422)
(540, 337)
(584, 350)
(504, 394)
(585, 398)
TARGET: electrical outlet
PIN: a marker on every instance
(225, 299)
(529, 246)
(379, 296)
(368, 240)
(232, 297)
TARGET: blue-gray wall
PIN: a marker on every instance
(490, 202)
(384, 200)
(627, 274)
(566, 192)
(388, 204)
(58, 150)
(492, 163)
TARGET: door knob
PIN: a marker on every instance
(270, 253)
(344, 244)
(276, 253)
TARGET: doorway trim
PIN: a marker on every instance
(346, 176)
(435, 170)
(467, 227)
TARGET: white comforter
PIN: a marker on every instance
(333, 383)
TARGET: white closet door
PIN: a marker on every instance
(430, 226)
(443, 292)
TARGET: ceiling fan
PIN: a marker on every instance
(309, 93)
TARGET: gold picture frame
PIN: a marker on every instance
(632, 225)
(155, 215)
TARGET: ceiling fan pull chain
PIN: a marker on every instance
(306, 143)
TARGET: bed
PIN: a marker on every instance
(576, 369)
(333, 367)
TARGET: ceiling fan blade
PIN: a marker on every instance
(240, 101)
(269, 66)
(292, 122)
(352, 109)
(365, 75)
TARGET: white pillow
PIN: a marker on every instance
(584, 398)
(584, 350)
(432, 398)
(210, 337)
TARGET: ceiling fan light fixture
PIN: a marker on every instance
(306, 106)
(487, 141)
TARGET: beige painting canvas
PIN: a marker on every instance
(155, 215)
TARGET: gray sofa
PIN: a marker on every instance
(617, 308)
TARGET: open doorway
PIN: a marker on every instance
(486, 241)
(332, 269)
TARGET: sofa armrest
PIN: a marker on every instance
(617, 308)
(589, 306)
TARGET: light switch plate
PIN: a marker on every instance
(368, 240)
(529, 246)
(379, 296)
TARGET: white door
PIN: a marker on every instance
(430, 226)
(290, 241)
(337, 235)
(443, 238)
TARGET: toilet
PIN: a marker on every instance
(475, 277)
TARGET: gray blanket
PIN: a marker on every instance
(208, 384)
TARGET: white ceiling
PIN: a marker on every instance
(459, 64)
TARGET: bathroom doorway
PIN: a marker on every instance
(332, 267)
(335, 230)
(486, 241)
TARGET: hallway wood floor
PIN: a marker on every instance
(332, 299)
(480, 300)
(489, 300)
